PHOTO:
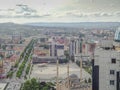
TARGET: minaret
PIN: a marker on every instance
(57, 81)
(1, 67)
(81, 68)
(81, 52)
(68, 83)
(20, 36)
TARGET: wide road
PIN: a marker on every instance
(14, 82)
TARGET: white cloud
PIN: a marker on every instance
(24, 11)
(21, 11)
(58, 12)
(78, 14)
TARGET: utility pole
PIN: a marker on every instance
(81, 52)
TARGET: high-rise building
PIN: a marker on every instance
(74, 47)
(52, 49)
(106, 67)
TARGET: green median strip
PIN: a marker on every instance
(22, 66)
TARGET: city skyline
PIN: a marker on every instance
(25, 11)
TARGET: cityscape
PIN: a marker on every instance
(60, 45)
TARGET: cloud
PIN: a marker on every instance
(21, 11)
(24, 9)
(25, 12)
(74, 14)
(117, 13)
(103, 14)
(77, 14)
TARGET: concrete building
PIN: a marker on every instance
(60, 49)
(74, 47)
(56, 49)
(80, 47)
(42, 39)
(88, 47)
(52, 49)
(47, 59)
(106, 68)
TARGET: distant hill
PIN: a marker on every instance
(79, 25)
(12, 27)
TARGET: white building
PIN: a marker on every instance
(106, 68)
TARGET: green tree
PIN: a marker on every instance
(66, 53)
(89, 80)
(27, 85)
(85, 81)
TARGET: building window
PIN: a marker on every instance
(112, 82)
(112, 72)
(113, 60)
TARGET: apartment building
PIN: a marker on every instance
(106, 67)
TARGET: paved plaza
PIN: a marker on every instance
(49, 71)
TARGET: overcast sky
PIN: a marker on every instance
(22, 11)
